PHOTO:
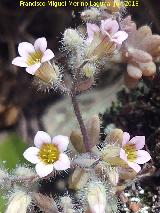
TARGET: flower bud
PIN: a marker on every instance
(19, 202)
(89, 70)
(113, 176)
(78, 179)
(22, 171)
(114, 137)
(96, 197)
(111, 155)
(67, 205)
(72, 39)
(47, 73)
(90, 14)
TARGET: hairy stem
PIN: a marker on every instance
(80, 120)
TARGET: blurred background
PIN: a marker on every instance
(24, 109)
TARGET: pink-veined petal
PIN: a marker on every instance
(126, 138)
(48, 55)
(139, 141)
(119, 37)
(109, 26)
(91, 29)
(25, 48)
(40, 138)
(123, 155)
(142, 157)
(44, 169)
(134, 166)
(31, 154)
(33, 68)
(41, 44)
(20, 62)
(63, 162)
(61, 142)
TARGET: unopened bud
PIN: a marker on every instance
(22, 171)
(47, 73)
(113, 176)
(111, 155)
(115, 136)
(72, 39)
(90, 14)
(89, 70)
(19, 202)
(67, 204)
(96, 197)
(78, 179)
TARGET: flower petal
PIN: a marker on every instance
(48, 55)
(123, 155)
(126, 137)
(134, 166)
(63, 163)
(20, 62)
(25, 48)
(61, 141)
(109, 26)
(32, 69)
(139, 141)
(40, 138)
(44, 169)
(91, 29)
(142, 157)
(119, 37)
(40, 44)
(31, 154)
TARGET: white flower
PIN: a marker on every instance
(31, 56)
(131, 151)
(48, 153)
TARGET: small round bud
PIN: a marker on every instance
(90, 15)
(96, 196)
(19, 202)
(72, 39)
(22, 171)
(89, 70)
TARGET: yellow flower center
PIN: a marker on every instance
(48, 153)
(34, 58)
(130, 150)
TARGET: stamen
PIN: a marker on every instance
(48, 153)
(130, 151)
(34, 58)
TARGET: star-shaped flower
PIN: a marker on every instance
(48, 153)
(31, 56)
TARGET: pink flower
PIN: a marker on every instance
(31, 56)
(48, 153)
(108, 28)
(131, 151)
